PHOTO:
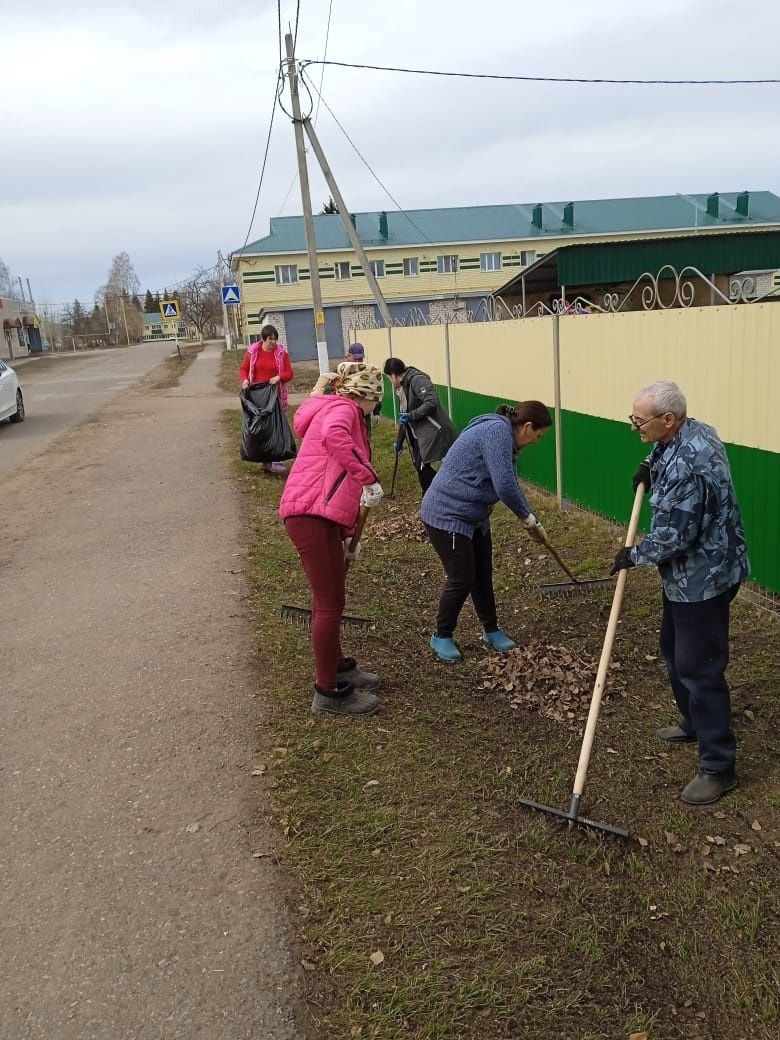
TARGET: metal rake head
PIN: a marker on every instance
(301, 616)
(573, 588)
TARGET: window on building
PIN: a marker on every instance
(377, 268)
(341, 269)
(286, 274)
(447, 264)
(411, 267)
(527, 257)
(490, 261)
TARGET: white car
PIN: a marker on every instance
(11, 399)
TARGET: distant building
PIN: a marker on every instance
(437, 264)
(21, 329)
(156, 327)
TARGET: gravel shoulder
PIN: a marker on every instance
(132, 904)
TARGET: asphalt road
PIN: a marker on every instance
(60, 390)
(139, 896)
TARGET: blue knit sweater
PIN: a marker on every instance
(476, 472)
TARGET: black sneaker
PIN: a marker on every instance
(707, 788)
(344, 700)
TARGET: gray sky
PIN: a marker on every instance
(145, 132)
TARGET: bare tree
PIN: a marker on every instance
(124, 321)
(201, 301)
(7, 283)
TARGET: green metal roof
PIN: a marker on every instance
(516, 222)
(608, 263)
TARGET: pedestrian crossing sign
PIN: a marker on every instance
(169, 308)
(231, 294)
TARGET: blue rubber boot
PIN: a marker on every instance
(499, 641)
(445, 649)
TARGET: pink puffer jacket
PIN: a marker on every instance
(333, 464)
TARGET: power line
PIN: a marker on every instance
(367, 165)
(297, 16)
(324, 58)
(277, 89)
(317, 112)
(546, 79)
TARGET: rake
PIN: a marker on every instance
(572, 815)
(302, 616)
(574, 586)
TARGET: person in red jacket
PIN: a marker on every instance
(330, 479)
(268, 362)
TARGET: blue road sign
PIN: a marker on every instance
(231, 294)
(169, 308)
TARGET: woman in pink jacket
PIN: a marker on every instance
(331, 478)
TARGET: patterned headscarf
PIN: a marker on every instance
(359, 379)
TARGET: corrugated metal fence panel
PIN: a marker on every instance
(626, 261)
(510, 358)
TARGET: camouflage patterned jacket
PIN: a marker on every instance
(696, 537)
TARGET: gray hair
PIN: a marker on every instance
(666, 397)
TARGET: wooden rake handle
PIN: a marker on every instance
(606, 654)
(359, 525)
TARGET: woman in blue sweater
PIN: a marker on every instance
(477, 472)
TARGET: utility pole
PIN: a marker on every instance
(124, 318)
(308, 219)
(221, 265)
(21, 288)
(357, 245)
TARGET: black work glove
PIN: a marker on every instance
(622, 560)
(642, 476)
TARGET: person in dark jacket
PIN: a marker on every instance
(429, 429)
(478, 471)
(697, 542)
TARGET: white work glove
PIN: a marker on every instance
(350, 557)
(535, 529)
(371, 495)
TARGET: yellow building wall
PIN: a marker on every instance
(259, 295)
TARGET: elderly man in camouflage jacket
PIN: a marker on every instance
(697, 542)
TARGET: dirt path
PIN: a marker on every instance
(131, 906)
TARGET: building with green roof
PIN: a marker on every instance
(437, 264)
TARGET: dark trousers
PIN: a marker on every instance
(425, 475)
(321, 550)
(468, 564)
(695, 647)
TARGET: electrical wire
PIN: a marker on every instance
(545, 79)
(365, 162)
(297, 16)
(324, 58)
(277, 91)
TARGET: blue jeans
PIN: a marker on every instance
(695, 648)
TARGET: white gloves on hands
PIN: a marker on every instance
(535, 529)
(371, 495)
(350, 557)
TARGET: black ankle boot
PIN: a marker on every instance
(343, 700)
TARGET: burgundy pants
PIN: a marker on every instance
(321, 549)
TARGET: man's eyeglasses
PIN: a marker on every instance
(638, 423)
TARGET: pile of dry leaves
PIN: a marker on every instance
(398, 527)
(553, 680)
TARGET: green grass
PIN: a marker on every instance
(403, 832)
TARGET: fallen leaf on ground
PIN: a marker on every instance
(371, 783)
(755, 826)
(742, 850)
(377, 958)
(554, 680)
(308, 965)
(259, 770)
(638, 1036)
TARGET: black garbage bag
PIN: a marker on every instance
(265, 435)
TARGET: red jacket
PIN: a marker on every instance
(333, 464)
(261, 365)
